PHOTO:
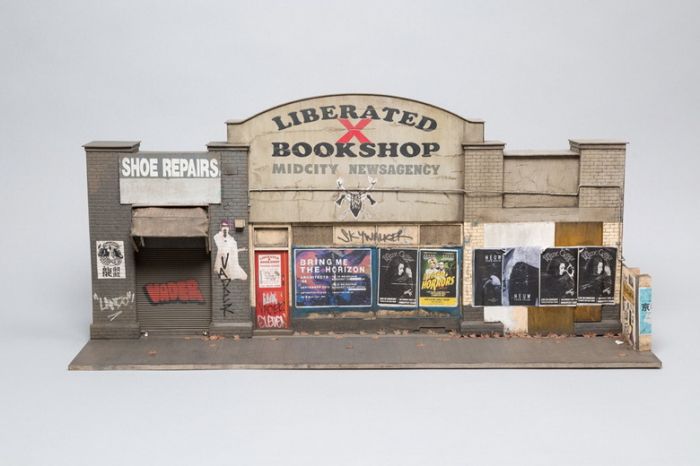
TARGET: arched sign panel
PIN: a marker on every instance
(350, 158)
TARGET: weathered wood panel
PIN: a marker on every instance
(546, 320)
(581, 234)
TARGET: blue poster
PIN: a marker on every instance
(645, 311)
(332, 278)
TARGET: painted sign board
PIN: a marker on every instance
(355, 158)
(170, 179)
(332, 278)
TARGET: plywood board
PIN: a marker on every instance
(581, 234)
(546, 320)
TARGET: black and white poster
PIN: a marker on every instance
(487, 277)
(596, 279)
(558, 274)
(521, 276)
(398, 277)
(110, 259)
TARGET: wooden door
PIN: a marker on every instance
(271, 296)
(560, 319)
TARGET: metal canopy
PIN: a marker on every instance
(169, 222)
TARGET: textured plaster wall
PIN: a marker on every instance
(503, 235)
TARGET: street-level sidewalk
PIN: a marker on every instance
(359, 352)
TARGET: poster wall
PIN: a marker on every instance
(439, 278)
(521, 276)
(558, 276)
(332, 278)
(596, 281)
(488, 276)
(398, 278)
(531, 276)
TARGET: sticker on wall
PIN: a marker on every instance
(398, 277)
(110, 259)
(332, 278)
(487, 282)
(596, 281)
(558, 274)
(644, 311)
(353, 201)
(226, 265)
(439, 278)
(269, 270)
(521, 276)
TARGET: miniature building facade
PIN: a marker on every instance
(351, 213)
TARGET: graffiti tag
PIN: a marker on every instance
(114, 304)
(183, 291)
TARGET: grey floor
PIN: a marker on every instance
(360, 352)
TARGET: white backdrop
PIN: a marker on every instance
(170, 73)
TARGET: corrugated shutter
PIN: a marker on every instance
(173, 290)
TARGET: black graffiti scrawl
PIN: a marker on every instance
(354, 201)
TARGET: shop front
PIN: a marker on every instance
(352, 213)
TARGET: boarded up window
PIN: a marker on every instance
(441, 235)
(312, 235)
(271, 237)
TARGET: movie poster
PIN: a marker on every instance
(332, 278)
(487, 277)
(558, 274)
(398, 277)
(439, 278)
(596, 275)
(521, 276)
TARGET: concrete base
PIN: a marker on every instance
(359, 352)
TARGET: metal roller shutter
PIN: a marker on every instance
(173, 290)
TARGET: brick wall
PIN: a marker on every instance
(473, 239)
(612, 237)
(231, 308)
(601, 173)
(483, 178)
(110, 221)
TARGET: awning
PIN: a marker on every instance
(169, 222)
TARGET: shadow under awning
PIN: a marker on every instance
(170, 222)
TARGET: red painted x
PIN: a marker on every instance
(354, 131)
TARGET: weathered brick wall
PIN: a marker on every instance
(612, 237)
(113, 300)
(231, 309)
(601, 174)
(483, 178)
(473, 239)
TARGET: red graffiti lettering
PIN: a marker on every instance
(183, 291)
(354, 131)
(273, 313)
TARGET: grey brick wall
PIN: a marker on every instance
(231, 310)
(110, 221)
